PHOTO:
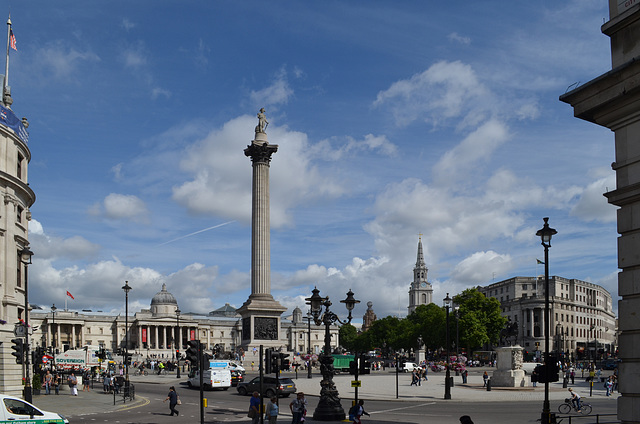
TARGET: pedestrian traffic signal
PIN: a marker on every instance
(18, 350)
(353, 367)
(267, 361)
(284, 362)
(275, 361)
(193, 353)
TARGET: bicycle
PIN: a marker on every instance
(141, 372)
(567, 407)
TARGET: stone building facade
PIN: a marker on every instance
(17, 198)
(582, 317)
(154, 332)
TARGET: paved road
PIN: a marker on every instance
(413, 405)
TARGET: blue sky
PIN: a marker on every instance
(393, 119)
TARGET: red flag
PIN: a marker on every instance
(70, 295)
(12, 43)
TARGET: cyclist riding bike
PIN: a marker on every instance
(576, 400)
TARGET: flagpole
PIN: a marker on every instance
(6, 69)
(65, 303)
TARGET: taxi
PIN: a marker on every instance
(15, 410)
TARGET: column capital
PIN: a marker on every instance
(260, 152)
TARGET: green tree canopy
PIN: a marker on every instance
(480, 319)
(429, 323)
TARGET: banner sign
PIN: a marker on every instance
(144, 335)
(192, 334)
(10, 120)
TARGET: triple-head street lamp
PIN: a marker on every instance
(25, 258)
(329, 407)
(127, 288)
(447, 381)
(545, 234)
(309, 317)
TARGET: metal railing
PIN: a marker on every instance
(588, 419)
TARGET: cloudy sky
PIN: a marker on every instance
(393, 119)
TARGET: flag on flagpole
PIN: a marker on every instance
(70, 295)
(12, 40)
(540, 262)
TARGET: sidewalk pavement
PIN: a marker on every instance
(380, 385)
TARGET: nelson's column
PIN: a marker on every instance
(261, 312)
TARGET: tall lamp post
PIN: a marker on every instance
(178, 341)
(545, 234)
(329, 407)
(309, 318)
(53, 341)
(447, 381)
(127, 289)
(25, 257)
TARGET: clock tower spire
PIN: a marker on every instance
(420, 291)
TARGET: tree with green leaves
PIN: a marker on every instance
(480, 319)
(428, 322)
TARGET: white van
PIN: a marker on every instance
(215, 378)
(16, 410)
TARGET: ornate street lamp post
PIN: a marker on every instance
(53, 342)
(178, 341)
(309, 318)
(127, 289)
(329, 407)
(545, 234)
(25, 257)
(447, 381)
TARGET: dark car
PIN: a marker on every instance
(237, 377)
(269, 387)
(609, 364)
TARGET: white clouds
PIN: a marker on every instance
(477, 268)
(444, 91)
(454, 36)
(121, 207)
(592, 205)
(63, 61)
(222, 175)
(51, 247)
(278, 92)
(349, 145)
(127, 24)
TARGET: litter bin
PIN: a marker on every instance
(489, 385)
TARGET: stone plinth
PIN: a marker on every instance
(509, 371)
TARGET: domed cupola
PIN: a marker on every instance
(163, 303)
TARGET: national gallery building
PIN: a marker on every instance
(154, 332)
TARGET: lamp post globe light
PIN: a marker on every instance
(329, 407)
(127, 289)
(545, 234)
(25, 258)
(309, 319)
(178, 342)
(53, 336)
(447, 379)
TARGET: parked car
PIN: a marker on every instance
(269, 387)
(17, 410)
(237, 377)
(609, 364)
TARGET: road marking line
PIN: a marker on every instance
(400, 409)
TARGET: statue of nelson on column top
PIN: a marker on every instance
(262, 122)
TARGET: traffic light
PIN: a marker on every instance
(193, 353)
(365, 365)
(284, 362)
(206, 361)
(353, 367)
(18, 350)
(274, 361)
(267, 361)
(127, 359)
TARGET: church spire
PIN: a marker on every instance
(420, 261)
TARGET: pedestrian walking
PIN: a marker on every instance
(174, 400)
(609, 385)
(271, 411)
(106, 383)
(573, 376)
(414, 378)
(86, 380)
(485, 378)
(298, 408)
(73, 384)
(464, 375)
(47, 382)
(254, 408)
(357, 411)
(56, 383)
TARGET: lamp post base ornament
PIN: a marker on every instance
(329, 406)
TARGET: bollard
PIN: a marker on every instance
(450, 381)
(488, 385)
(564, 383)
(204, 402)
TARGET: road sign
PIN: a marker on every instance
(356, 383)
(19, 331)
